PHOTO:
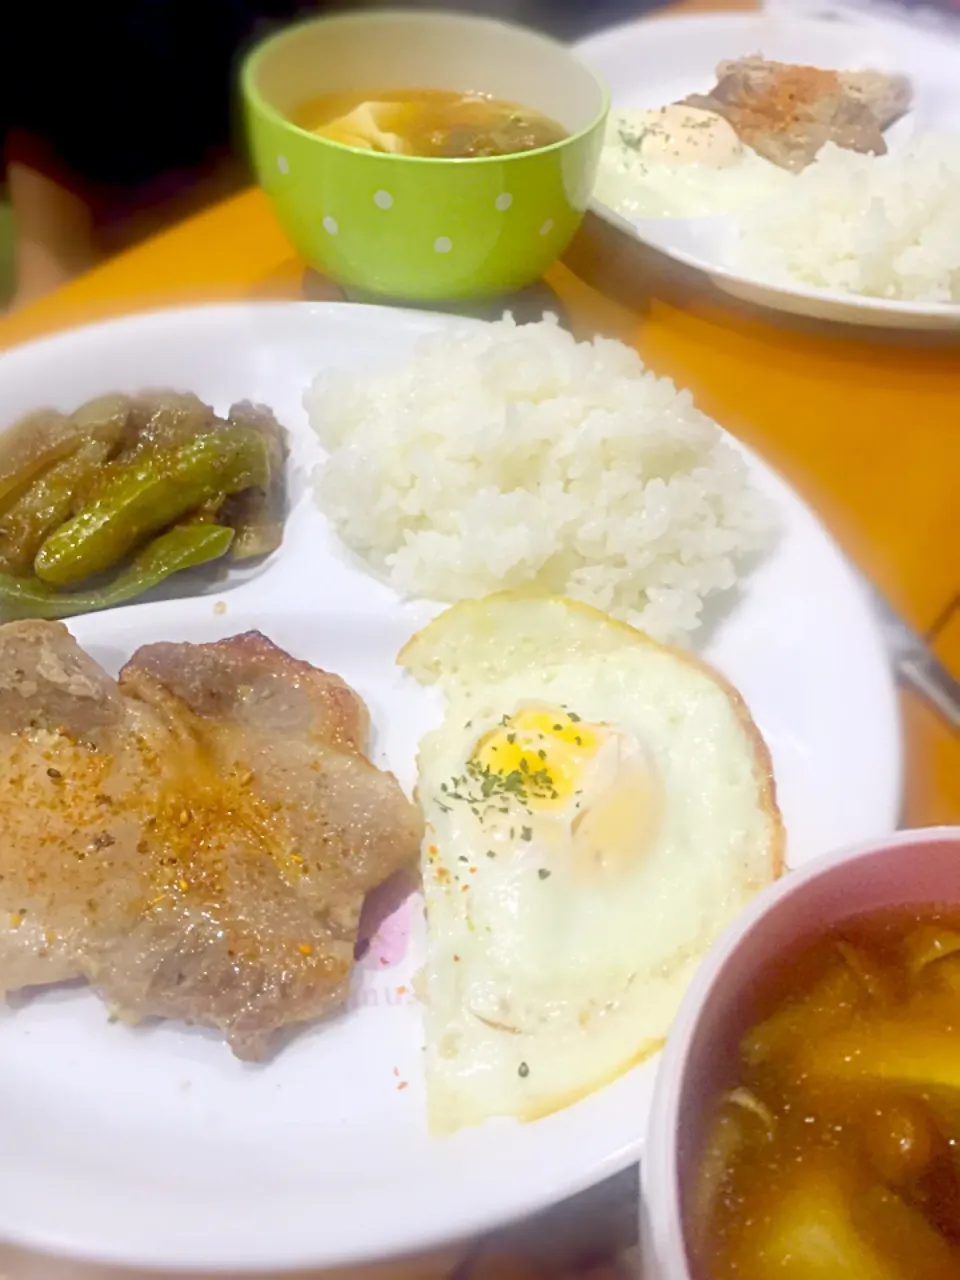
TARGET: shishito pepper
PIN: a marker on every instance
(47, 503)
(44, 438)
(182, 547)
(147, 494)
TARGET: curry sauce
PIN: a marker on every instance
(837, 1154)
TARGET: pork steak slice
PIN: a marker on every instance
(78, 768)
(230, 827)
(787, 113)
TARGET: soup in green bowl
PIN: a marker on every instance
(426, 157)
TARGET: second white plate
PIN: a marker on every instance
(661, 60)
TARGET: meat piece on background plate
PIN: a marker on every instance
(787, 113)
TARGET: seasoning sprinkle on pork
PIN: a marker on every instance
(195, 839)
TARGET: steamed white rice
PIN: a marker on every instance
(505, 456)
(881, 226)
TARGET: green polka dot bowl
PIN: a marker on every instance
(411, 228)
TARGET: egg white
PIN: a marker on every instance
(674, 180)
(547, 975)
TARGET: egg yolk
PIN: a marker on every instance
(596, 790)
(680, 135)
(540, 751)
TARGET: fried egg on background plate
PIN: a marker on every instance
(598, 807)
(681, 162)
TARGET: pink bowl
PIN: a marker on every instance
(700, 1057)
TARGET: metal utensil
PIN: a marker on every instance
(914, 661)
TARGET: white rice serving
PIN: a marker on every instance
(881, 226)
(505, 457)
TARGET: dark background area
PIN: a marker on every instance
(568, 19)
(131, 104)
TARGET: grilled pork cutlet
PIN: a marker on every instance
(80, 772)
(888, 97)
(787, 113)
(198, 839)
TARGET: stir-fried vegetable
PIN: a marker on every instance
(146, 495)
(85, 493)
(257, 512)
(183, 547)
(50, 500)
(42, 439)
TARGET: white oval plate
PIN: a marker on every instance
(155, 1147)
(659, 60)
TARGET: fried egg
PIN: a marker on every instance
(678, 162)
(677, 134)
(598, 807)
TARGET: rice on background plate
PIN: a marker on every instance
(880, 226)
(509, 456)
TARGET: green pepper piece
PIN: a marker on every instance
(183, 547)
(44, 438)
(50, 500)
(147, 494)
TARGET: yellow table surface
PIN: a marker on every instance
(866, 425)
